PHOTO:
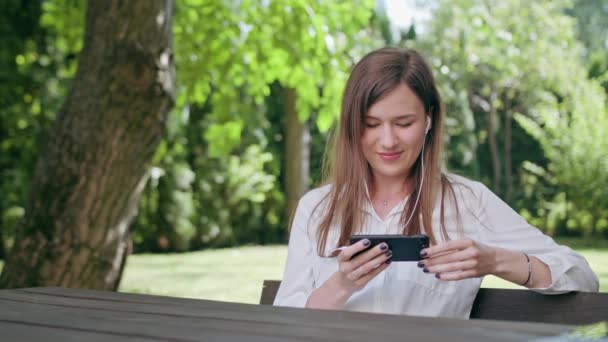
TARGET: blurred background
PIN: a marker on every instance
(258, 89)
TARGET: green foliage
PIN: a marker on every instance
(227, 54)
(509, 61)
(35, 64)
(230, 58)
(233, 200)
(493, 57)
(574, 140)
(239, 206)
(598, 68)
(224, 137)
(592, 26)
(224, 205)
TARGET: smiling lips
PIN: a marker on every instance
(389, 156)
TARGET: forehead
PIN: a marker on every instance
(398, 102)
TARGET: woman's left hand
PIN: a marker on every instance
(458, 259)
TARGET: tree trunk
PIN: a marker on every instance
(507, 152)
(492, 142)
(2, 251)
(297, 149)
(127, 249)
(93, 168)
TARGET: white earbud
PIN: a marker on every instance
(428, 125)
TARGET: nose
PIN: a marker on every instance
(388, 138)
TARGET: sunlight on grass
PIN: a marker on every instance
(236, 274)
(233, 274)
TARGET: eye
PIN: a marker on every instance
(371, 125)
(404, 124)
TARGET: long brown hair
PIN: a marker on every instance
(377, 74)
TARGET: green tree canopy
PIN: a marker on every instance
(502, 60)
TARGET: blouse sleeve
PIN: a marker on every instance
(297, 283)
(504, 228)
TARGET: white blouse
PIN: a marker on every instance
(403, 288)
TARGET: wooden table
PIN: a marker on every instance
(56, 314)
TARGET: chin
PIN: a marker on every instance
(390, 172)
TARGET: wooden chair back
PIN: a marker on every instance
(517, 305)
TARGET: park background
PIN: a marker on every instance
(163, 152)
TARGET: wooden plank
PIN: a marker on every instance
(125, 326)
(269, 291)
(190, 308)
(522, 305)
(517, 305)
(108, 295)
(152, 317)
(15, 331)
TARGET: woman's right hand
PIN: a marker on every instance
(355, 272)
(352, 275)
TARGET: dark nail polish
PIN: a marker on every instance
(388, 261)
(366, 242)
(423, 254)
(425, 270)
(438, 275)
(420, 264)
(383, 247)
(389, 254)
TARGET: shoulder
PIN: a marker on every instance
(311, 200)
(309, 210)
(476, 195)
(463, 184)
(470, 191)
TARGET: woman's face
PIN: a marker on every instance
(394, 133)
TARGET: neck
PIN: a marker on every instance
(388, 187)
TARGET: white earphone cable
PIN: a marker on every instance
(421, 182)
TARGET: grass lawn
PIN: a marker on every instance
(231, 274)
(236, 274)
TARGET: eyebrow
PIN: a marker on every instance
(404, 116)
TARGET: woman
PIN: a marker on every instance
(386, 179)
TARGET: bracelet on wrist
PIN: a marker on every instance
(529, 270)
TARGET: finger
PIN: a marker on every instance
(453, 267)
(446, 247)
(370, 265)
(365, 257)
(453, 256)
(457, 275)
(353, 249)
(369, 276)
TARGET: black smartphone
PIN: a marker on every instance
(404, 247)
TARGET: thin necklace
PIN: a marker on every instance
(386, 202)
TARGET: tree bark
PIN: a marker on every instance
(93, 168)
(2, 251)
(507, 153)
(492, 142)
(297, 158)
